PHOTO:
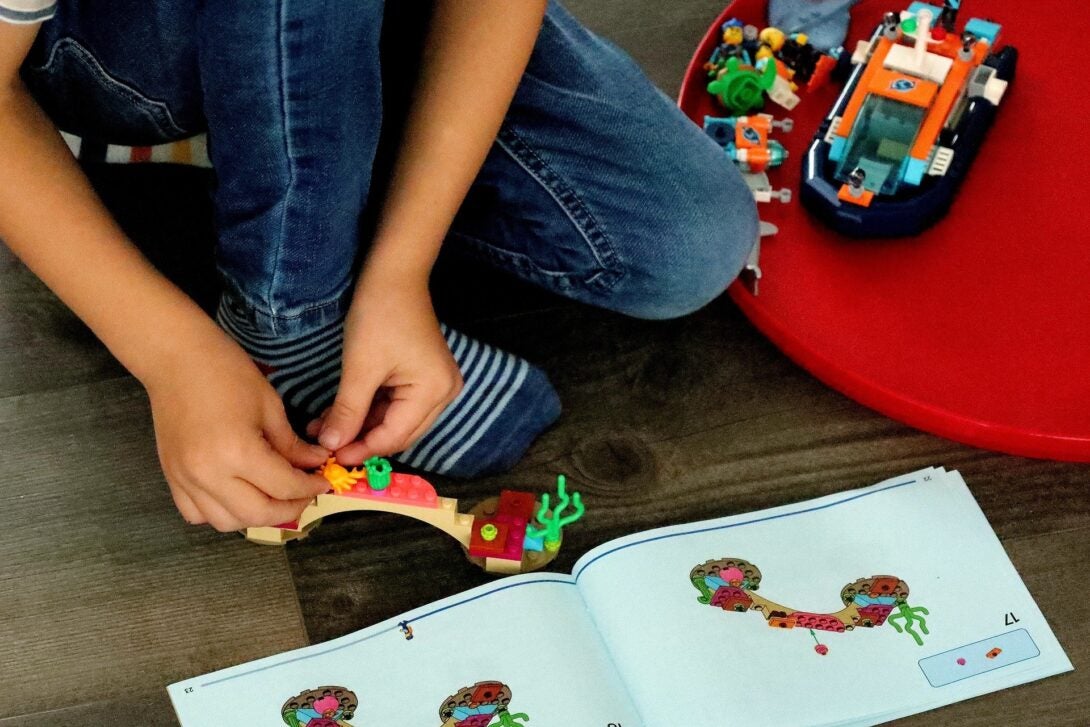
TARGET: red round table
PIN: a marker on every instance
(979, 329)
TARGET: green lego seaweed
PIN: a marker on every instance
(910, 615)
(556, 521)
(508, 720)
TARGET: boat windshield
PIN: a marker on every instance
(881, 138)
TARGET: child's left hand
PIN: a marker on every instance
(398, 374)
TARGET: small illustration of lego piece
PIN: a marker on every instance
(819, 621)
(967, 660)
(321, 707)
(517, 504)
(994, 653)
(874, 615)
(883, 586)
(780, 620)
(479, 705)
(730, 598)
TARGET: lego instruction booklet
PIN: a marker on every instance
(854, 608)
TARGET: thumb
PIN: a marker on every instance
(344, 419)
(288, 445)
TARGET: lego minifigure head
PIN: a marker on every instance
(733, 32)
(773, 38)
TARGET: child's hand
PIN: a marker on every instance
(227, 450)
(398, 374)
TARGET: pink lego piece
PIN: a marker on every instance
(731, 575)
(515, 539)
(475, 720)
(404, 490)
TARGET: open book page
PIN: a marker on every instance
(850, 609)
(519, 649)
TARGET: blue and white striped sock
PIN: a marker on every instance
(504, 405)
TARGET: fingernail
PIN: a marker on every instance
(329, 439)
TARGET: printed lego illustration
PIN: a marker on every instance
(731, 584)
(485, 704)
(512, 533)
(321, 707)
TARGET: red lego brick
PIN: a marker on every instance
(486, 693)
(481, 548)
(522, 505)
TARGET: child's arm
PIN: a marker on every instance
(475, 55)
(218, 423)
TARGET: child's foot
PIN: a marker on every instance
(504, 405)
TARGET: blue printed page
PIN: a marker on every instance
(852, 609)
(521, 651)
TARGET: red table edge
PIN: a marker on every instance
(916, 414)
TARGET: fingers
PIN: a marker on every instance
(186, 507)
(404, 422)
(345, 418)
(274, 475)
(287, 443)
(214, 513)
(253, 507)
(238, 505)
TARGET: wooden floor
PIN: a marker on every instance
(105, 596)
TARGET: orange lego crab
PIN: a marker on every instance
(340, 478)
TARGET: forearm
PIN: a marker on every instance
(475, 55)
(52, 219)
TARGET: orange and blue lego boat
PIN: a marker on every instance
(890, 156)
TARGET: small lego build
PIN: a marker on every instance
(496, 535)
(899, 141)
(321, 707)
(731, 584)
(749, 65)
(479, 705)
(745, 139)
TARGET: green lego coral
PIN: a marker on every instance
(556, 521)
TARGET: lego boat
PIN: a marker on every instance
(890, 156)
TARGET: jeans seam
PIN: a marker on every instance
(134, 96)
(281, 62)
(569, 201)
(234, 291)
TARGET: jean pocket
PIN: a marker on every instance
(83, 98)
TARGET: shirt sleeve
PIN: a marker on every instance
(27, 11)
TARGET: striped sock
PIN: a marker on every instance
(504, 405)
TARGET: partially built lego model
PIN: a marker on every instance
(485, 704)
(328, 706)
(731, 584)
(512, 533)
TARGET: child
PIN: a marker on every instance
(527, 141)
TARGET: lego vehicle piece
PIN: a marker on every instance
(897, 144)
(746, 141)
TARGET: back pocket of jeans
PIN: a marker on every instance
(84, 98)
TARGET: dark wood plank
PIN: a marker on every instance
(106, 592)
(146, 710)
(1047, 564)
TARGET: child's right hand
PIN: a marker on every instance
(229, 455)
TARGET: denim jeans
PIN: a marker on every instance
(597, 187)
